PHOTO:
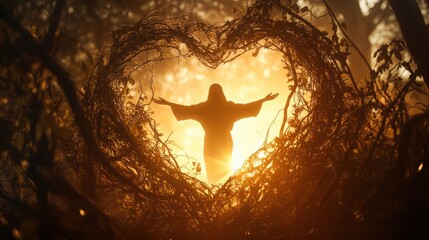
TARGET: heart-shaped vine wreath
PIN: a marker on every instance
(282, 193)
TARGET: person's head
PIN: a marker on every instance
(216, 93)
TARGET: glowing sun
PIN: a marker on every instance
(246, 79)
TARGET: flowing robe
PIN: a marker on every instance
(217, 120)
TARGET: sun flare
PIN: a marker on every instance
(246, 79)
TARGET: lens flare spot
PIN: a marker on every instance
(16, 233)
(82, 212)
(420, 167)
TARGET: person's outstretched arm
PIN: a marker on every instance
(162, 101)
(252, 109)
(180, 111)
(269, 97)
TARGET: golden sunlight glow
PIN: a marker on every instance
(366, 5)
(82, 212)
(246, 79)
(420, 167)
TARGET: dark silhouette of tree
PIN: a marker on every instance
(415, 33)
(359, 27)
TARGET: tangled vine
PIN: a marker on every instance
(328, 169)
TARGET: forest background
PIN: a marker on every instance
(84, 154)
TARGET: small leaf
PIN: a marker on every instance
(397, 55)
(295, 8)
(304, 9)
(344, 25)
(379, 58)
(132, 81)
(407, 66)
(255, 54)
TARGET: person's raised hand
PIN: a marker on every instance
(270, 96)
(161, 101)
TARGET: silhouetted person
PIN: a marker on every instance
(217, 117)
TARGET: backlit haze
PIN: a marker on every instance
(246, 79)
(186, 81)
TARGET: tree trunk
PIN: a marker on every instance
(415, 33)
